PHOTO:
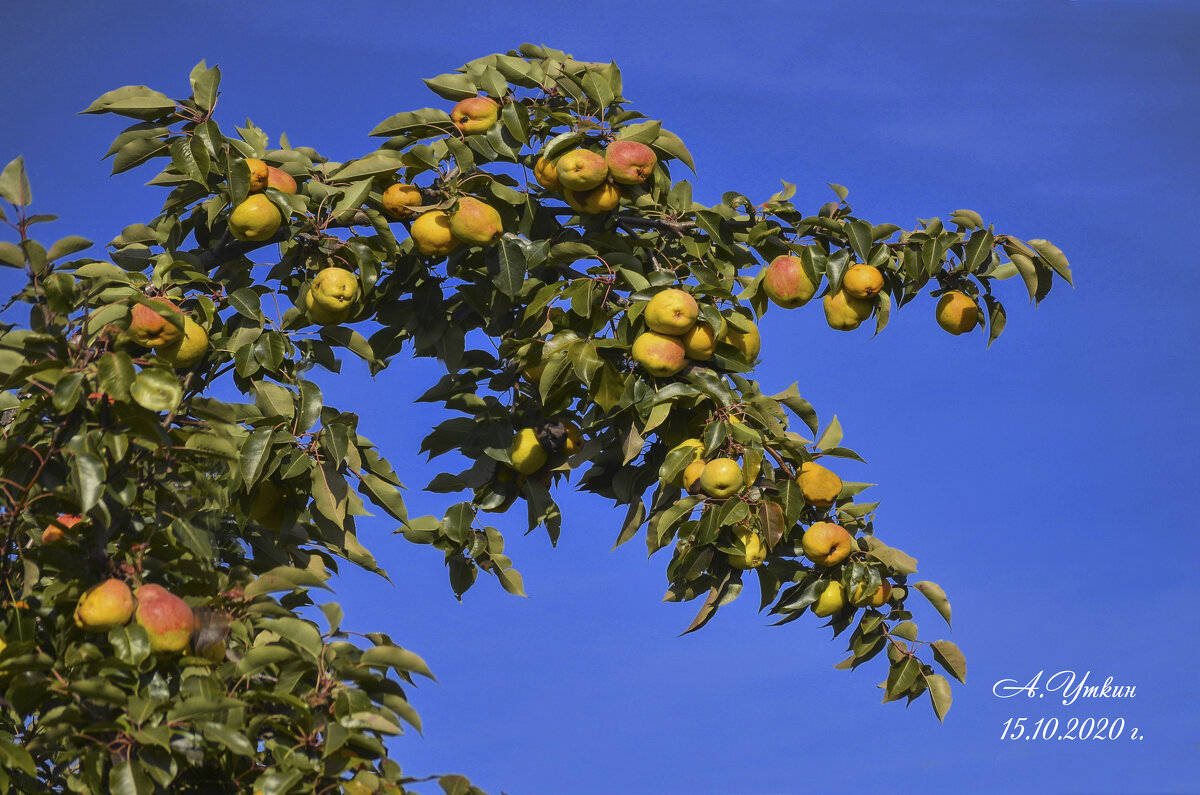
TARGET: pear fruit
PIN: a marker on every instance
(862, 281)
(671, 311)
(260, 172)
(544, 172)
(831, 600)
(475, 222)
(280, 180)
(527, 453)
(819, 486)
(748, 342)
(150, 329)
(601, 199)
(431, 233)
(786, 282)
(399, 199)
(844, 312)
(474, 115)
(56, 530)
(254, 220)
(877, 598)
(722, 477)
(104, 606)
(690, 479)
(167, 619)
(957, 313)
(827, 544)
(700, 341)
(756, 550)
(581, 169)
(630, 162)
(334, 290)
(659, 354)
(188, 349)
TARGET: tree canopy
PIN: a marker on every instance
(174, 488)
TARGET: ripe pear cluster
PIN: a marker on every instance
(151, 328)
(589, 180)
(256, 218)
(437, 232)
(719, 478)
(167, 619)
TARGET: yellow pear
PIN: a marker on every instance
(844, 312)
(957, 313)
(260, 172)
(167, 619)
(862, 281)
(431, 234)
(581, 169)
(877, 598)
(722, 477)
(671, 312)
(104, 606)
(690, 479)
(400, 199)
(334, 289)
(544, 173)
(659, 354)
(254, 220)
(832, 599)
(827, 544)
(601, 199)
(474, 115)
(528, 455)
(700, 341)
(820, 486)
(188, 349)
(756, 550)
(748, 342)
(475, 222)
(322, 316)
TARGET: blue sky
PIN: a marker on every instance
(1043, 483)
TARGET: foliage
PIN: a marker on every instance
(231, 482)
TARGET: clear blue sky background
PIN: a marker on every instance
(1048, 484)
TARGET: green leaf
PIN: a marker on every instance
(936, 596)
(403, 660)
(832, 435)
(14, 184)
(131, 643)
(901, 676)
(233, 740)
(423, 123)
(906, 630)
(283, 578)
(156, 390)
(511, 265)
(511, 581)
(897, 560)
(68, 245)
(453, 86)
(138, 102)
(949, 657)
(128, 778)
(204, 85)
(89, 474)
(939, 694)
(1053, 255)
